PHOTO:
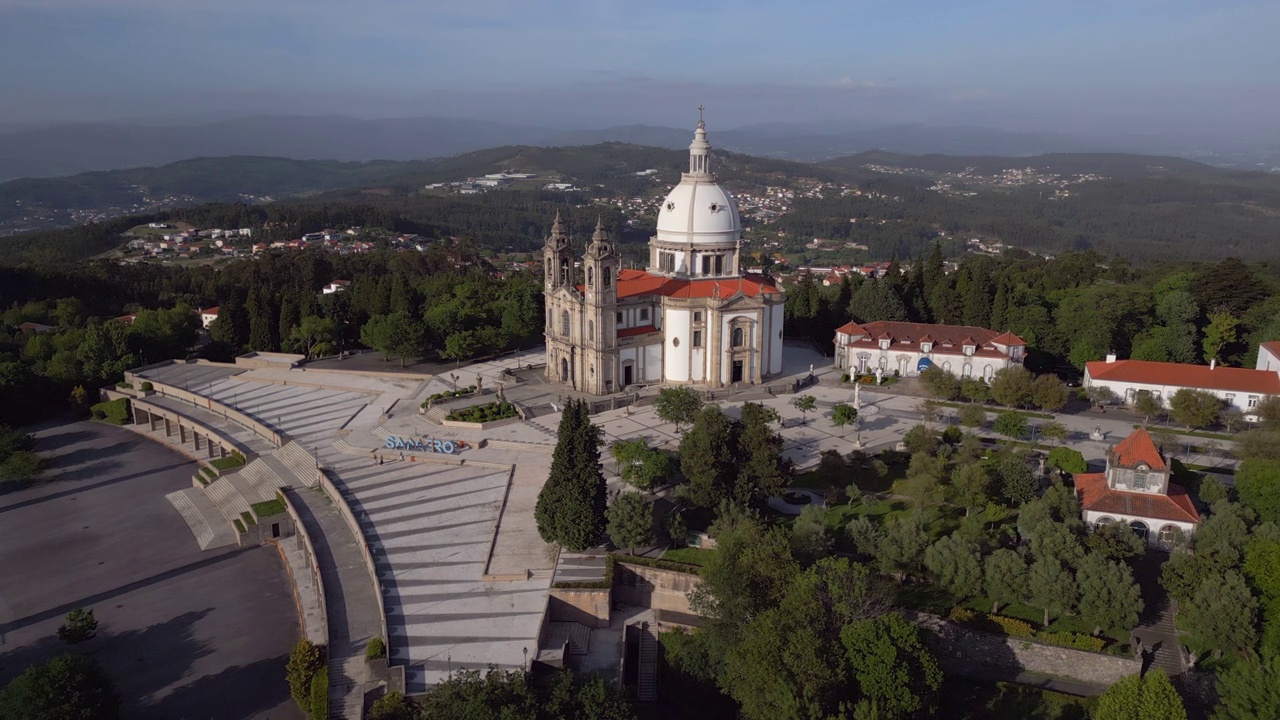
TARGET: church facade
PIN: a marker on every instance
(694, 316)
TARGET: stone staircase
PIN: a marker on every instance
(647, 671)
(576, 636)
(208, 525)
(1156, 625)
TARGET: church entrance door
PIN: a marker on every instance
(737, 371)
(626, 375)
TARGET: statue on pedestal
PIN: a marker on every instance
(879, 375)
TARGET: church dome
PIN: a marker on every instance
(699, 210)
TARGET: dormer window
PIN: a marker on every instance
(926, 347)
(968, 349)
(884, 344)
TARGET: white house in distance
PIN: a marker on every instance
(1242, 388)
(1135, 490)
(207, 316)
(909, 348)
(335, 286)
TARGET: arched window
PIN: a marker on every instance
(1106, 520)
(738, 337)
(591, 277)
(1139, 528)
(607, 276)
(591, 329)
(564, 323)
(1170, 535)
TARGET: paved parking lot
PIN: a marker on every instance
(185, 633)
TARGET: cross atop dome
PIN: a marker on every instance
(700, 149)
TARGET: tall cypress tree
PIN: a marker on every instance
(571, 506)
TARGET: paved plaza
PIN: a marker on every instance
(184, 633)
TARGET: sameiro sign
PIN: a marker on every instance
(425, 444)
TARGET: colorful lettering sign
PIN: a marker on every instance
(425, 444)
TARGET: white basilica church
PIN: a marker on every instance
(693, 317)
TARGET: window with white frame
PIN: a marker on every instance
(644, 313)
(1253, 401)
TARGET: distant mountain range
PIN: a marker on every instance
(62, 150)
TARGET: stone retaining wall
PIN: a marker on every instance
(652, 587)
(588, 606)
(959, 649)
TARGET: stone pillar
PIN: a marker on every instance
(168, 428)
(182, 436)
(210, 448)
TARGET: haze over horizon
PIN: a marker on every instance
(1172, 69)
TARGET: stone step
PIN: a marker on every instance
(252, 489)
(207, 524)
(227, 498)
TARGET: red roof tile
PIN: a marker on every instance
(210, 311)
(1135, 449)
(641, 330)
(1008, 338)
(632, 283)
(851, 328)
(1149, 372)
(1273, 346)
(1095, 496)
(943, 337)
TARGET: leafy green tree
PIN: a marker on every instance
(470, 695)
(1258, 487)
(1221, 331)
(707, 457)
(805, 403)
(972, 416)
(305, 661)
(1051, 587)
(630, 521)
(67, 686)
(81, 625)
(877, 300)
(393, 706)
(1147, 405)
(970, 483)
(1109, 596)
(1141, 697)
(1115, 541)
(1012, 425)
(1213, 491)
(1054, 431)
(679, 405)
(571, 505)
(957, 565)
(1249, 690)
(762, 471)
(900, 547)
(923, 481)
(892, 666)
(843, 415)
(1004, 578)
(1183, 574)
(1017, 485)
(1195, 408)
(461, 345)
(975, 390)
(1223, 535)
(315, 336)
(396, 335)
(810, 541)
(1220, 616)
(641, 466)
(1067, 460)
(750, 572)
(920, 440)
(940, 383)
(1013, 387)
(1049, 393)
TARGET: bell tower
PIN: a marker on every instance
(557, 258)
(600, 290)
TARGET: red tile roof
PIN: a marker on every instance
(946, 339)
(1136, 449)
(641, 330)
(633, 283)
(1273, 346)
(1095, 496)
(1148, 372)
(210, 311)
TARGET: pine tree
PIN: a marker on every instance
(762, 472)
(630, 521)
(261, 325)
(707, 457)
(571, 505)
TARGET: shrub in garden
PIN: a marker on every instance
(375, 650)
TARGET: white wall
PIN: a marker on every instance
(1267, 360)
(653, 363)
(676, 357)
(1240, 400)
(1153, 534)
(775, 330)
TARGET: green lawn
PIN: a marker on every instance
(268, 508)
(229, 462)
(688, 555)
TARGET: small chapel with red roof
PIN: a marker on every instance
(1136, 490)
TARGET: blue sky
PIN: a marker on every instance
(1129, 65)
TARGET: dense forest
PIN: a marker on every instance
(1070, 310)
(447, 302)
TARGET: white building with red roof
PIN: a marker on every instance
(207, 316)
(909, 348)
(693, 316)
(1136, 491)
(1242, 388)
